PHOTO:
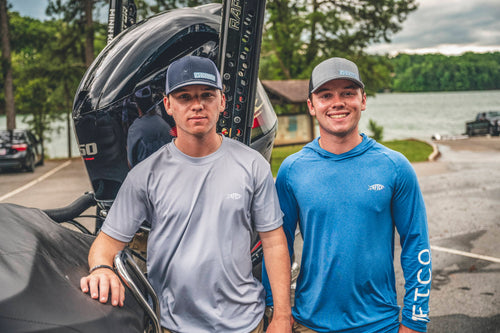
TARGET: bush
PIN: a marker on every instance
(377, 131)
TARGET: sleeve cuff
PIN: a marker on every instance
(416, 326)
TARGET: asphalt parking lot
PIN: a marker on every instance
(462, 194)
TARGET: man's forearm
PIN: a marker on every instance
(103, 250)
(278, 270)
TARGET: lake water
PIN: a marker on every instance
(421, 115)
(403, 116)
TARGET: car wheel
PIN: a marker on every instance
(30, 167)
(41, 162)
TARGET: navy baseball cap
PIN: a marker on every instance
(334, 69)
(191, 70)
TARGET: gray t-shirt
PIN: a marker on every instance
(202, 212)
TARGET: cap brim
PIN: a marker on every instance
(359, 83)
(192, 83)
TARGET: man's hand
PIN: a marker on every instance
(404, 329)
(280, 324)
(101, 283)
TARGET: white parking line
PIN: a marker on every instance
(36, 181)
(465, 254)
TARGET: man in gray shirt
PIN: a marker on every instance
(204, 194)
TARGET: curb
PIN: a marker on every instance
(435, 151)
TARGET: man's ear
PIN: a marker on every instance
(166, 104)
(363, 102)
(310, 106)
(223, 102)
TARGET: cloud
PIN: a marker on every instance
(448, 26)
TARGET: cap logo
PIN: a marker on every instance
(202, 75)
(348, 73)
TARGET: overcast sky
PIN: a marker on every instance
(449, 27)
(444, 26)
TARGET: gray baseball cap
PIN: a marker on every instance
(191, 70)
(334, 69)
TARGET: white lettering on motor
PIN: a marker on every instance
(235, 10)
(88, 149)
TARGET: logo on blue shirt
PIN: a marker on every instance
(376, 187)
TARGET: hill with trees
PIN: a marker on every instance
(437, 72)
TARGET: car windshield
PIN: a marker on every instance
(494, 113)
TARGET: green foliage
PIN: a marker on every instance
(47, 74)
(298, 35)
(375, 72)
(27, 35)
(437, 72)
(48, 60)
(377, 130)
(280, 153)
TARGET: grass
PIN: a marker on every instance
(415, 151)
(279, 154)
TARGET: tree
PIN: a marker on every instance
(7, 67)
(78, 13)
(376, 129)
(300, 34)
(48, 66)
(78, 17)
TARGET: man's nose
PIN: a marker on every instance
(337, 101)
(197, 101)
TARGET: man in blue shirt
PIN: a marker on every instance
(148, 132)
(348, 193)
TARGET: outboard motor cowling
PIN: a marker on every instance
(104, 108)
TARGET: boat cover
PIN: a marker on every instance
(41, 263)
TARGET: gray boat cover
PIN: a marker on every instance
(41, 263)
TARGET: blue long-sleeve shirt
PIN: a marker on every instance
(347, 206)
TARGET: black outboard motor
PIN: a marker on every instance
(139, 56)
